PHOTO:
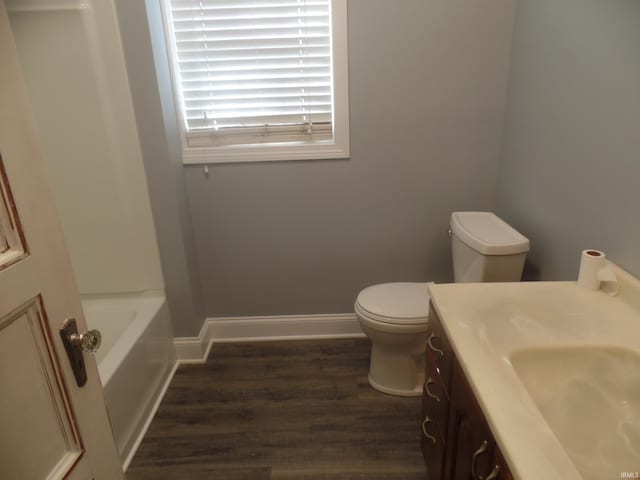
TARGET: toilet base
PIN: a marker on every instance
(394, 372)
(416, 392)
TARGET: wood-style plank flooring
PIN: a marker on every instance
(281, 411)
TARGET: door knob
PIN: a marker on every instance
(75, 344)
(88, 342)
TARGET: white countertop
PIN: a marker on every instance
(486, 322)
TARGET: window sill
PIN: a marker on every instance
(274, 152)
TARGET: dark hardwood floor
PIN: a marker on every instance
(281, 411)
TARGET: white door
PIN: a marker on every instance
(50, 427)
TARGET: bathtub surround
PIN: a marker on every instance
(93, 157)
(570, 170)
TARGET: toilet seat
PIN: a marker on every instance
(402, 303)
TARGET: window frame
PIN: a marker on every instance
(336, 148)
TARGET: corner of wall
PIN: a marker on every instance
(143, 43)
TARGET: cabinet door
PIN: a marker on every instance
(470, 444)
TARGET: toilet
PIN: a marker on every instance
(395, 315)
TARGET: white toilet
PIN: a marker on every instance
(395, 315)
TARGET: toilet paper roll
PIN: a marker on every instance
(591, 262)
(595, 272)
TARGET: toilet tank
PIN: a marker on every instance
(486, 249)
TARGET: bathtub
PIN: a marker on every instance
(136, 361)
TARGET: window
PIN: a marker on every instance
(260, 79)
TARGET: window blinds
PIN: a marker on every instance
(253, 65)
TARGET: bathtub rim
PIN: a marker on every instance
(146, 305)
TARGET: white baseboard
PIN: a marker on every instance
(264, 329)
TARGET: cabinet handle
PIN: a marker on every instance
(426, 421)
(426, 389)
(474, 459)
(494, 473)
(435, 349)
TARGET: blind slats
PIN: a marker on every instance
(251, 24)
(231, 46)
(253, 85)
(204, 63)
(319, 104)
(253, 70)
(248, 116)
(255, 74)
(252, 63)
(276, 119)
(266, 32)
(180, 5)
(315, 103)
(194, 98)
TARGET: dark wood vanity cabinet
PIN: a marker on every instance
(457, 443)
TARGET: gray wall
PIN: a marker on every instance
(150, 83)
(428, 82)
(570, 173)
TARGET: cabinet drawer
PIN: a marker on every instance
(439, 349)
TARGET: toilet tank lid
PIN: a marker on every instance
(488, 234)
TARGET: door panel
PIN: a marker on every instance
(37, 398)
(51, 428)
(12, 244)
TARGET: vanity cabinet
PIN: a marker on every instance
(456, 440)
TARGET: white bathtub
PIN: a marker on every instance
(136, 361)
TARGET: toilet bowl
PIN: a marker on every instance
(395, 318)
(395, 315)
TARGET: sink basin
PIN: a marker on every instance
(590, 398)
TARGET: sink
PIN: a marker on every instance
(590, 398)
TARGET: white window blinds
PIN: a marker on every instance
(253, 66)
